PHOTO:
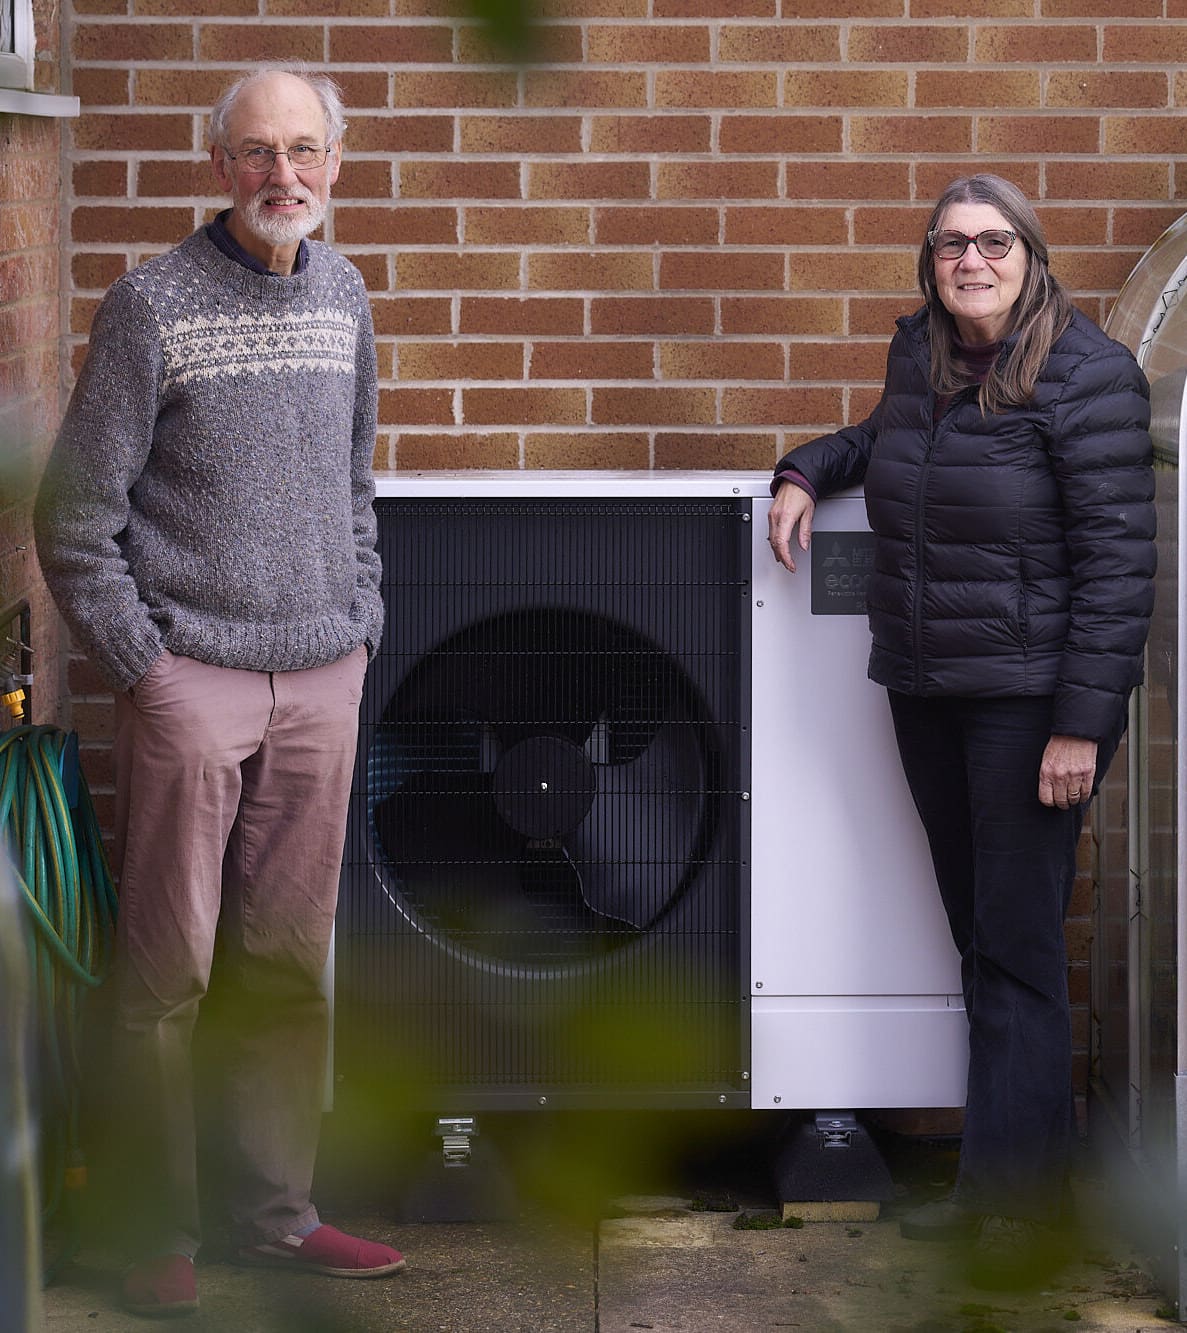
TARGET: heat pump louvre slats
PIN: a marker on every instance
(628, 609)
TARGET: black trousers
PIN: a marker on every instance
(1005, 864)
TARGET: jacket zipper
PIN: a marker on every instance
(924, 362)
(917, 603)
(919, 542)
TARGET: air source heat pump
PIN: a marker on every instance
(628, 824)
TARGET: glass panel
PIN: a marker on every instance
(1138, 933)
(1139, 1031)
(1149, 316)
(1111, 945)
(1110, 963)
(1159, 776)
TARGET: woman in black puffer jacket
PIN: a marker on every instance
(1009, 483)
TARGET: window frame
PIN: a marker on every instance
(16, 65)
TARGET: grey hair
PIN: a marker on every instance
(328, 94)
(1041, 312)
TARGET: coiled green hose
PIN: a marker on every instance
(49, 825)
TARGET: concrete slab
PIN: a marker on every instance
(694, 1272)
(670, 1269)
(461, 1278)
(567, 1263)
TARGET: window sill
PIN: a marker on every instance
(18, 103)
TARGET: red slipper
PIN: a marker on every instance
(161, 1286)
(326, 1250)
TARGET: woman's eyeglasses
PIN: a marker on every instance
(995, 243)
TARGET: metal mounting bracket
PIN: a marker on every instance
(455, 1133)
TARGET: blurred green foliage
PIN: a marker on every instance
(510, 23)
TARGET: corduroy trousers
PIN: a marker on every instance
(231, 790)
(1005, 864)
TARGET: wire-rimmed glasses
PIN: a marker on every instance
(301, 156)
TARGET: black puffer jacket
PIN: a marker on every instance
(1015, 552)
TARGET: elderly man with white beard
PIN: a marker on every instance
(205, 525)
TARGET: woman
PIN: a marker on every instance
(1009, 484)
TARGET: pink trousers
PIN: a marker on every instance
(232, 790)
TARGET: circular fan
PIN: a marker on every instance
(541, 786)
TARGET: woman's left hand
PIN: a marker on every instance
(1067, 771)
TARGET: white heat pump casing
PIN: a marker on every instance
(855, 996)
(855, 982)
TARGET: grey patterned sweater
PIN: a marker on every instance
(210, 491)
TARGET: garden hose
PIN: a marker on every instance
(49, 825)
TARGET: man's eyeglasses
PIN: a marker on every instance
(302, 157)
(996, 243)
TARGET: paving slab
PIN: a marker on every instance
(461, 1278)
(681, 1271)
(561, 1261)
(670, 1269)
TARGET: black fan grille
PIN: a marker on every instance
(545, 867)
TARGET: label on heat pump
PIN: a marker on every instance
(841, 566)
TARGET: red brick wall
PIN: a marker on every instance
(29, 350)
(679, 238)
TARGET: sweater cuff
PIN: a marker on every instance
(127, 651)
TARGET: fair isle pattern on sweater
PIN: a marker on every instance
(208, 348)
(210, 491)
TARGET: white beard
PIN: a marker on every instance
(283, 230)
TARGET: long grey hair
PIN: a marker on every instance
(1041, 313)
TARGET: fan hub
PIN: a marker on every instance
(544, 786)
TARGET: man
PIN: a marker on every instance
(206, 527)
